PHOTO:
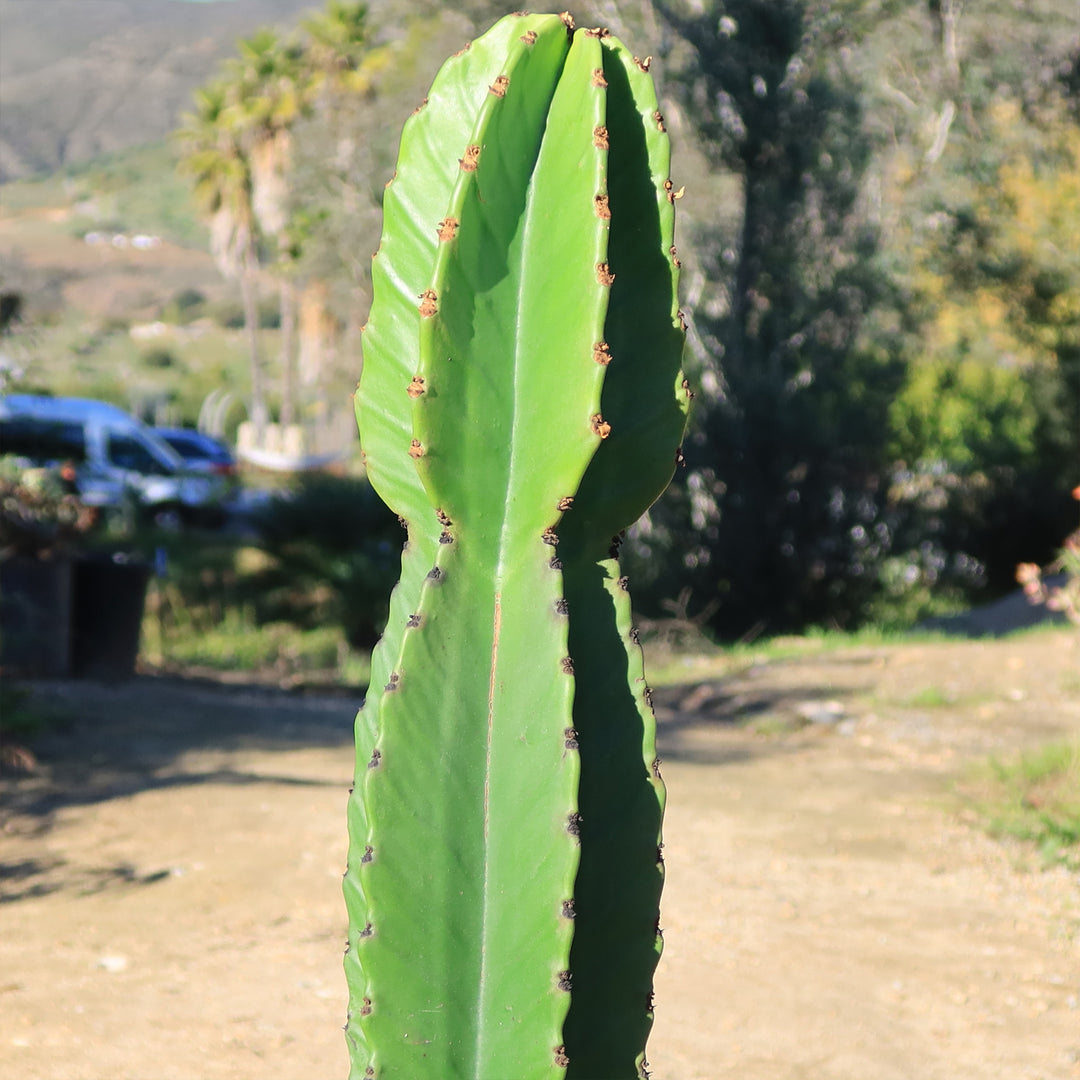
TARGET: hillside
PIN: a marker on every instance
(93, 78)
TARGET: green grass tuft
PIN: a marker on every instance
(1034, 798)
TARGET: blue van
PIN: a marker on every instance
(116, 457)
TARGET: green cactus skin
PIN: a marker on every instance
(521, 389)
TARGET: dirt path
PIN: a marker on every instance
(171, 879)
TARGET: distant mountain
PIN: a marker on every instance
(80, 78)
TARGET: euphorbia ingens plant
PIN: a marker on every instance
(521, 404)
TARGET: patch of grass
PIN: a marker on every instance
(1035, 798)
(278, 649)
(20, 715)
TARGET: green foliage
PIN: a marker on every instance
(520, 391)
(335, 550)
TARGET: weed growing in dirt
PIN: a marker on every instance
(1035, 798)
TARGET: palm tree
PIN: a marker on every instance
(214, 157)
(267, 92)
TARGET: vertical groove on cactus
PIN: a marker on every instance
(518, 391)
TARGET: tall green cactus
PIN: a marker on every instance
(520, 404)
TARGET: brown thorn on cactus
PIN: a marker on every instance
(567, 665)
(565, 503)
(624, 583)
(686, 388)
(647, 695)
(392, 685)
(616, 543)
(658, 117)
(529, 37)
(573, 824)
(568, 911)
(598, 77)
(369, 1073)
(600, 205)
(601, 353)
(555, 563)
(416, 449)
(365, 1008)
(660, 854)
(598, 32)
(367, 931)
(416, 387)
(561, 1059)
(645, 64)
(672, 194)
(682, 320)
(429, 303)
(679, 459)
(444, 519)
(565, 981)
(434, 574)
(568, 20)
(463, 50)
(675, 257)
(650, 1002)
(599, 426)
(469, 161)
(419, 108)
(519, 14)
(498, 87)
(562, 607)
(550, 536)
(413, 622)
(635, 635)
(393, 175)
(604, 274)
(376, 757)
(600, 137)
(369, 854)
(445, 537)
(570, 738)
(656, 763)
(448, 228)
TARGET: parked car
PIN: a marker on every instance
(115, 457)
(200, 452)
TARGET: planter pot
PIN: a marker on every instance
(36, 617)
(108, 608)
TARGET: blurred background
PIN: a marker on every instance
(880, 238)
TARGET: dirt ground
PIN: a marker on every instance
(170, 901)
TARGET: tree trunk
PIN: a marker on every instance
(288, 349)
(250, 298)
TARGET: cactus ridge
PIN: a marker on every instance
(510, 378)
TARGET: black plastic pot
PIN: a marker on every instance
(36, 617)
(109, 597)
